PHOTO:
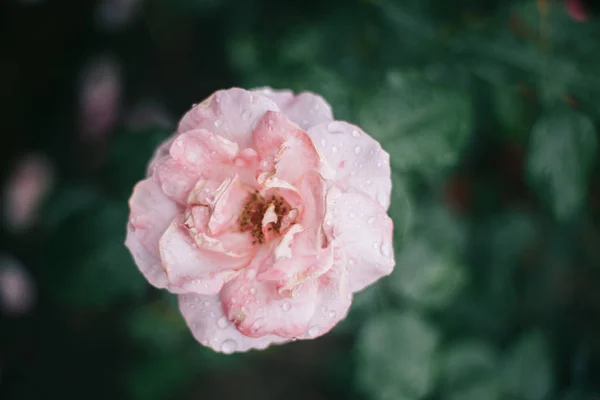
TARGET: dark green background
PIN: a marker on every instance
(489, 110)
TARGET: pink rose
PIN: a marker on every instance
(264, 215)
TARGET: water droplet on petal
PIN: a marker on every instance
(386, 249)
(313, 331)
(357, 150)
(252, 290)
(323, 142)
(371, 220)
(324, 308)
(351, 215)
(218, 123)
(206, 303)
(351, 261)
(379, 164)
(375, 245)
(246, 115)
(222, 323)
(233, 300)
(286, 306)
(228, 346)
(331, 314)
(334, 149)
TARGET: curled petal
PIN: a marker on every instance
(229, 113)
(364, 230)
(228, 200)
(359, 161)
(277, 139)
(195, 269)
(259, 308)
(151, 214)
(209, 325)
(198, 148)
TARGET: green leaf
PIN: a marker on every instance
(562, 150)
(527, 368)
(466, 363)
(67, 201)
(396, 356)
(425, 275)
(89, 265)
(421, 125)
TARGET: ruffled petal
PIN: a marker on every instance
(198, 148)
(359, 161)
(231, 113)
(193, 268)
(209, 325)
(151, 214)
(175, 179)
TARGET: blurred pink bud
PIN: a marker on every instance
(264, 215)
(30, 181)
(149, 114)
(100, 97)
(114, 14)
(577, 10)
(17, 290)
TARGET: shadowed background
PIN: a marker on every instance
(489, 110)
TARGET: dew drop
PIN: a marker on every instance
(286, 306)
(352, 215)
(313, 331)
(222, 323)
(206, 304)
(386, 250)
(252, 290)
(379, 164)
(371, 220)
(228, 346)
(355, 133)
(233, 300)
(246, 115)
(218, 123)
(334, 149)
(375, 245)
(323, 142)
(351, 261)
(331, 314)
(324, 309)
(357, 150)
(179, 143)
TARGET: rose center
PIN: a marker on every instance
(265, 217)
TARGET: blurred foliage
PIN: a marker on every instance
(489, 110)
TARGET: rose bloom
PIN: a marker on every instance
(264, 215)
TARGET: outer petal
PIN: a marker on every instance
(161, 152)
(151, 214)
(365, 232)
(229, 113)
(192, 268)
(204, 315)
(334, 298)
(306, 109)
(360, 162)
(258, 308)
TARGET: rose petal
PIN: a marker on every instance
(229, 113)
(306, 109)
(259, 308)
(199, 148)
(151, 214)
(161, 152)
(360, 162)
(195, 269)
(334, 299)
(175, 180)
(204, 315)
(228, 204)
(365, 232)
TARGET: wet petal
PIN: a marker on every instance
(365, 231)
(198, 148)
(209, 325)
(151, 214)
(229, 113)
(359, 161)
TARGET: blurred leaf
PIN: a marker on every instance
(562, 150)
(400, 207)
(89, 266)
(158, 377)
(396, 356)
(421, 125)
(466, 363)
(158, 326)
(527, 368)
(130, 154)
(67, 201)
(426, 275)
